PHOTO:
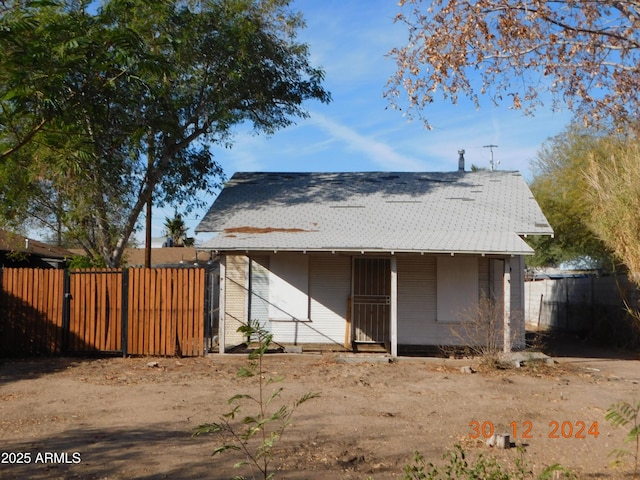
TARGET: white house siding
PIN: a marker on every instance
(417, 300)
(235, 298)
(517, 302)
(329, 290)
(484, 277)
(329, 283)
(328, 286)
(289, 297)
(259, 286)
(418, 322)
(458, 287)
(288, 287)
(419, 291)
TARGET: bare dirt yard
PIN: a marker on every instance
(118, 418)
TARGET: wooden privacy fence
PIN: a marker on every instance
(130, 311)
(94, 303)
(31, 311)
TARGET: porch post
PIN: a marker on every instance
(393, 314)
(221, 303)
(506, 314)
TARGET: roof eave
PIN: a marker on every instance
(548, 233)
(372, 251)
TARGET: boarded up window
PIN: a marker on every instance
(289, 287)
(457, 287)
(259, 301)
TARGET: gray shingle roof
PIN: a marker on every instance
(471, 212)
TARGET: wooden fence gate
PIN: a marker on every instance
(128, 311)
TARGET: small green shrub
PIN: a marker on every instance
(458, 467)
(623, 414)
(256, 434)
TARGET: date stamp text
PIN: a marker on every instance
(526, 430)
(26, 458)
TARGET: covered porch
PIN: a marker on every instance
(352, 299)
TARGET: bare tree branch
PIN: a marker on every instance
(585, 54)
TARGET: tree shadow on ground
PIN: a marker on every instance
(31, 340)
(13, 370)
(561, 344)
(156, 451)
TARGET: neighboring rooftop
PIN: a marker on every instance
(169, 256)
(17, 250)
(453, 212)
(162, 257)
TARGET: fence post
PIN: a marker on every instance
(506, 307)
(124, 327)
(66, 310)
(591, 304)
(566, 307)
(208, 309)
(540, 308)
(222, 301)
(3, 306)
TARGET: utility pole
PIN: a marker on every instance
(147, 237)
(493, 164)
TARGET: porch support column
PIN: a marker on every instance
(506, 314)
(393, 314)
(221, 303)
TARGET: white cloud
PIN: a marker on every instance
(245, 155)
(378, 152)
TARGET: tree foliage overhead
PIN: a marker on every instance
(585, 53)
(561, 189)
(101, 111)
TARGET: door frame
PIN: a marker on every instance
(373, 299)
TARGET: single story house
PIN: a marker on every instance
(17, 251)
(395, 259)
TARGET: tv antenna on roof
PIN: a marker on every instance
(493, 164)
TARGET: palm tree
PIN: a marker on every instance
(176, 231)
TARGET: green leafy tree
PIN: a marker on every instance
(562, 190)
(614, 198)
(80, 261)
(582, 53)
(102, 112)
(589, 188)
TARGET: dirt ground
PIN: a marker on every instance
(115, 418)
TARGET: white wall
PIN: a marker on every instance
(329, 281)
(235, 314)
(518, 331)
(458, 287)
(417, 293)
(432, 288)
(309, 293)
(433, 292)
(288, 287)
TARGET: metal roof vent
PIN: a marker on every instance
(461, 161)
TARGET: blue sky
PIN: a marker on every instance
(358, 131)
